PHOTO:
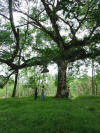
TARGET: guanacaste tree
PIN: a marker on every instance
(72, 26)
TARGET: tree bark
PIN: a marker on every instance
(61, 85)
(15, 84)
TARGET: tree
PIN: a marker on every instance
(75, 17)
(12, 41)
(54, 18)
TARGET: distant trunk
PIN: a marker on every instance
(93, 86)
(61, 86)
(96, 89)
(18, 87)
(15, 84)
(6, 92)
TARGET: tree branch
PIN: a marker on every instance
(71, 28)
(4, 16)
(15, 32)
(54, 18)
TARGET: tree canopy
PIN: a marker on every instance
(48, 31)
(62, 21)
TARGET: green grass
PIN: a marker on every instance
(24, 115)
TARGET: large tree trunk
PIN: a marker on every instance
(61, 86)
(15, 84)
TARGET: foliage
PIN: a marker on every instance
(81, 86)
(43, 27)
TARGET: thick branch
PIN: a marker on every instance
(30, 62)
(54, 18)
(80, 54)
(16, 32)
(11, 19)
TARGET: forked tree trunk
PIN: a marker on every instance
(61, 86)
(16, 76)
(15, 84)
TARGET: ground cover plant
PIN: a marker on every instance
(25, 115)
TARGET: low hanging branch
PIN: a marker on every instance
(4, 80)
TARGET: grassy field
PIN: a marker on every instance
(25, 115)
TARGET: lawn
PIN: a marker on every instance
(25, 115)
